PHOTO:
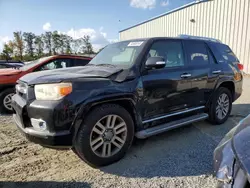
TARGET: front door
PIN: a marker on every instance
(168, 89)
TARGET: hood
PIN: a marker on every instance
(241, 144)
(9, 72)
(59, 75)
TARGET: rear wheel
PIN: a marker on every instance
(221, 106)
(5, 100)
(105, 136)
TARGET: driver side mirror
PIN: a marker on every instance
(155, 62)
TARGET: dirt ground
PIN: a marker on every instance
(179, 158)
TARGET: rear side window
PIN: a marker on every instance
(197, 53)
(226, 53)
(81, 62)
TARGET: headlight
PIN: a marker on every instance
(52, 91)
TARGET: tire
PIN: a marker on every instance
(3, 97)
(214, 117)
(86, 134)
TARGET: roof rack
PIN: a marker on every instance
(199, 38)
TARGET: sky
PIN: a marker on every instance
(100, 19)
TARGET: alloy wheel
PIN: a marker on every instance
(108, 136)
(7, 101)
(222, 107)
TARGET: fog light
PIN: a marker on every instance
(38, 124)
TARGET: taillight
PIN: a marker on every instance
(240, 66)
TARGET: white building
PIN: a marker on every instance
(226, 20)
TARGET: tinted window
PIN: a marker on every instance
(211, 58)
(81, 62)
(171, 50)
(197, 52)
(3, 66)
(55, 64)
(226, 53)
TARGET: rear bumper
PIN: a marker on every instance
(238, 90)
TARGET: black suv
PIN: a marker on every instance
(136, 88)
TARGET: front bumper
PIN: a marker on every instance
(49, 138)
(53, 140)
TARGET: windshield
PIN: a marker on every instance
(30, 64)
(121, 54)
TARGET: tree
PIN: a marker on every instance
(88, 45)
(66, 43)
(8, 50)
(47, 38)
(77, 46)
(29, 39)
(18, 44)
(56, 41)
(27, 46)
(39, 45)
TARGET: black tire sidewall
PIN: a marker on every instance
(212, 113)
(3, 94)
(82, 140)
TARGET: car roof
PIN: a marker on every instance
(171, 38)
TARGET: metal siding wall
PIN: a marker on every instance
(227, 20)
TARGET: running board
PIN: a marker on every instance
(171, 125)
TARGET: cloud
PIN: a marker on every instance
(46, 26)
(98, 38)
(165, 3)
(144, 4)
(3, 40)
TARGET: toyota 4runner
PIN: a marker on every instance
(136, 88)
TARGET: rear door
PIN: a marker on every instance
(200, 62)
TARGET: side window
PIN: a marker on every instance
(171, 51)
(55, 64)
(81, 62)
(226, 53)
(197, 52)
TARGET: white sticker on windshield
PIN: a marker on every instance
(135, 43)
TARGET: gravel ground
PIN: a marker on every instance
(179, 158)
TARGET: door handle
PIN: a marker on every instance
(216, 72)
(185, 75)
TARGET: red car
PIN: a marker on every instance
(8, 77)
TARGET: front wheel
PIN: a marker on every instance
(105, 135)
(5, 100)
(221, 106)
